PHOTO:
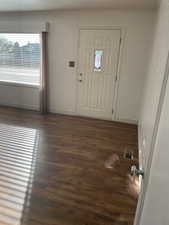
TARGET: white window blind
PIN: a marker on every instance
(20, 58)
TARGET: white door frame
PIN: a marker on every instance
(118, 68)
(145, 181)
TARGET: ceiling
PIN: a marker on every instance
(29, 5)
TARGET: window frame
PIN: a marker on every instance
(24, 84)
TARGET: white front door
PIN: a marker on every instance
(97, 71)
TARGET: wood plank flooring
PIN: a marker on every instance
(59, 170)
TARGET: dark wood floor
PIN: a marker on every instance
(72, 179)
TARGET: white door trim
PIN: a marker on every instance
(119, 64)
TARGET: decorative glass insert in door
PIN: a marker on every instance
(98, 60)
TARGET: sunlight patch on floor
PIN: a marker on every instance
(18, 147)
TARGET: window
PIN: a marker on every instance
(20, 58)
(98, 60)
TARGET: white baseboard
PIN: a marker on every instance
(135, 122)
(64, 112)
(21, 106)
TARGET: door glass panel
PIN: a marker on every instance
(98, 60)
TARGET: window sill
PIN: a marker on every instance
(17, 84)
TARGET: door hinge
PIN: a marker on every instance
(120, 41)
(112, 111)
(116, 78)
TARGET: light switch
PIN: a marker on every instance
(71, 63)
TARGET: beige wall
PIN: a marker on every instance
(26, 97)
(63, 47)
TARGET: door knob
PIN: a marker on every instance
(136, 172)
(80, 77)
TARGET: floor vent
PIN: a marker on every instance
(128, 155)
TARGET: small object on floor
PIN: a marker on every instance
(128, 155)
(111, 162)
(133, 186)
